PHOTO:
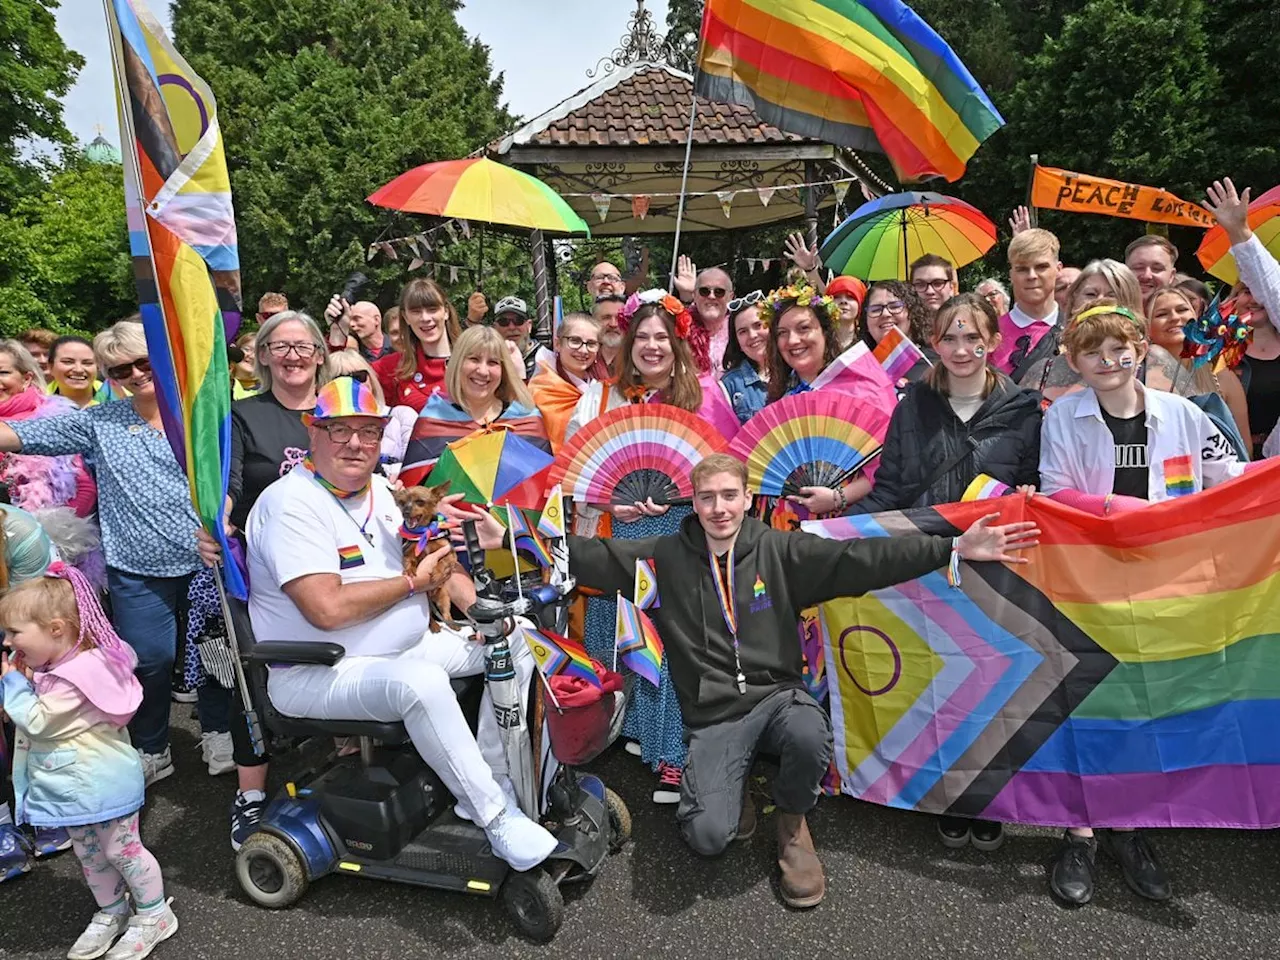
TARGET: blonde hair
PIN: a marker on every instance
(1124, 285)
(344, 363)
(486, 343)
(123, 340)
(41, 601)
(1152, 240)
(715, 463)
(23, 360)
(1035, 242)
(271, 300)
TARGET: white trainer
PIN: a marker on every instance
(144, 933)
(155, 766)
(518, 840)
(216, 749)
(103, 930)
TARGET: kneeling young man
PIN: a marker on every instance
(325, 564)
(732, 591)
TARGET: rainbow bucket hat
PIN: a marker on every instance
(345, 397)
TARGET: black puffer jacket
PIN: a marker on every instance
(925, 433)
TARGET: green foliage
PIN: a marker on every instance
(36, 69)
(322, 102)
(64, 260)
(684, 21)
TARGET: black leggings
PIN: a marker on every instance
(241, 742)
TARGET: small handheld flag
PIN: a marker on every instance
(637, 641)
(523, 537)
(646, 589)
(551, 523)
(897, 354)
(559, 656)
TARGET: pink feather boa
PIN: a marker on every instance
(35, 482)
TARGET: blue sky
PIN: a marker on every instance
(544, 48)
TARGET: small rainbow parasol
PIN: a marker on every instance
(1214, 252)
(480, 189)
(494, 465)
(815, 439)
(633, 453)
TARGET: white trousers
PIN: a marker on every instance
(413, 686)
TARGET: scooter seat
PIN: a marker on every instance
(466, 689)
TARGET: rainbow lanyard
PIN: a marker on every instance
(342, 496)
(724, 584)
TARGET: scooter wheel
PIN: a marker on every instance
(535, 903)
(270, 872)
(619, 821)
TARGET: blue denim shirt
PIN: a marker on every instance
(746, 390)
(144, 504)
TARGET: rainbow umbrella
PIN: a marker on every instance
(882, 237)
(482, 190)
(1214, 252)
(494, 466)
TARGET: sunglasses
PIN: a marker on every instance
(509, 320)
(716, 292)
(122, 371)
(741, 303)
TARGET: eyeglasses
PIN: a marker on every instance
(893, 306)
(305, 349)
(577, 343)
(741, 303)
(509, 320)
(716, 292)
(611, 277)
(340, 433)
(923, 285)
(122, 371)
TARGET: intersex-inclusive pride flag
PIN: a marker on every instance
(1128, 676)
(182, 236)
(869, 75)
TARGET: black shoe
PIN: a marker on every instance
(1072, 871)
(954, 831)
(986, 835)
(1142, 871)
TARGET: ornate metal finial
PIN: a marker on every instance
(642, 43)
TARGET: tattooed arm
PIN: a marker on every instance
(1164, 372)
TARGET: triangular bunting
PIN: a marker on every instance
(765, 194)
(415, 263)
(842, 188)
(602, 201)
(640, 206)
(726, 200)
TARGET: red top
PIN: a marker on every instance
(414, 390)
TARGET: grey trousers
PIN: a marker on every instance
(789, 723)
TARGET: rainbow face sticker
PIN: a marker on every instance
(979, 351)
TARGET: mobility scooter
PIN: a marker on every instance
(385, 815)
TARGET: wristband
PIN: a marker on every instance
(841, 501)
(412, 589)
(953, 567)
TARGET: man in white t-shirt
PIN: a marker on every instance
(325, 564)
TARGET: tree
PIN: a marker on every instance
(64, 259)
(323, 101)
(36, 69)
(684, 21)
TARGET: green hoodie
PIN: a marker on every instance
(777, 575)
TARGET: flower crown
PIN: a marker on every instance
(802, 295)
(678, 311)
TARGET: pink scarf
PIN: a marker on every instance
(22, 405)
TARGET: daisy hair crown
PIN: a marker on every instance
(800, 295)
(672, 305)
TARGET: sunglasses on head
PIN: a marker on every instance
(749, 300)
(123, 371)
(509, 320)
(716, 292)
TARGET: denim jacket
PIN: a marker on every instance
(73, 764)
(746, 390)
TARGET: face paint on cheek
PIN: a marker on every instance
(1107, 363)
(979, 351)
(1126, 363)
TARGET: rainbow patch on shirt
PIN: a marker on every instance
(758, 589)
(1179, 479)
(349, 557)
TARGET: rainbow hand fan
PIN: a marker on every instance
(633, 453)
(815, 439)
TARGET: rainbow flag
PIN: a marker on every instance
(1129, 676)
(182, 235)
(1179, 479)
(551, 522)
(524, 536)
(559, 656)
(897, 354)
(867, 75)
(638, 642)
(646, 588)
(984, 487)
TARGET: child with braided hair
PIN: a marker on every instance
(67, 685)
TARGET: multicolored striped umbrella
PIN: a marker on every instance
(882, 237)
(480, 189)
(1214, 252)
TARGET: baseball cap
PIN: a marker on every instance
(511, 305)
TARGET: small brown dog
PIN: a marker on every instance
(421, 534)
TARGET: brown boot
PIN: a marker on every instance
(747, 818)
(803, 884)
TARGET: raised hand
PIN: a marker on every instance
(982, 541)
(800, 253)
(1021, 220)
(477, 307)
(1231, 209)
(686, 278)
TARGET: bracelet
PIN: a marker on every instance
(841, 501)
(412, 589)
(953, 567)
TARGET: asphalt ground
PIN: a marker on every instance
(892, 892)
